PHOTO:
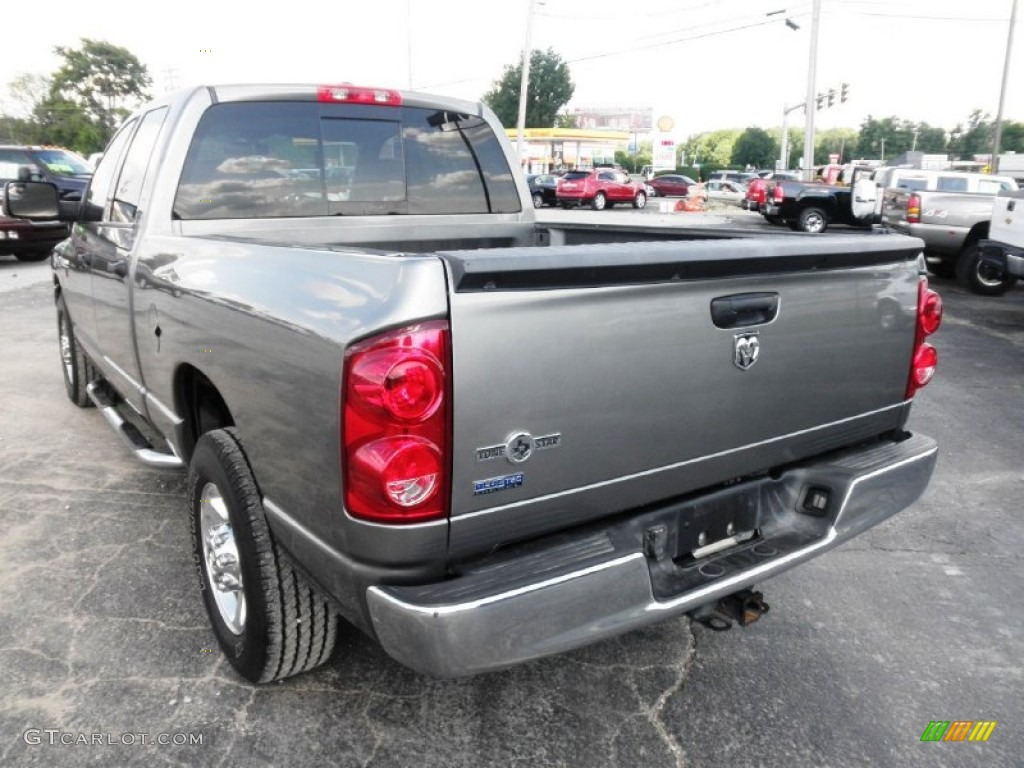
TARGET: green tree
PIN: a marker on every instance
(100, 79)
(562, 120)
(549, 89)
(974, 139)
(755, 147)
(1012, 139)
(835, 141)
(930, 139)
(59, 121)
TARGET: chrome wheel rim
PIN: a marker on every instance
(989, 276)
(599, 202)
(641, 200)
(65, 349)
(220, 558)
(538, 201)
(814, 223)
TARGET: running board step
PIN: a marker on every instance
(129, 433)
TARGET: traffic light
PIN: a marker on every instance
(844, 92)
(821, 100)
(831, 96)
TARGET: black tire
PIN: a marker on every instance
(640, 200)
(943, 268)
(813, 220)
(286, 626)
(600, 202)
(77, 369)
(33, 255)
(538, 200)
(979, 276)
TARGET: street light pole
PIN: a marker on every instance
(524, 83)
(784, 144)
(812, 76)
(997, 134)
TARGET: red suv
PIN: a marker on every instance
(600, 188)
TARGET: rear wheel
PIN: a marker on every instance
(78, 371)
(812, 220)
(640, 200)
(270, 621)
(538, 200)
(600, 202)
(980, 277)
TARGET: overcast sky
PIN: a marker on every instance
(706, 63)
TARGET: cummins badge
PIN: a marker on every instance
(745, 348)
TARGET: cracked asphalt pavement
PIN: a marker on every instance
(103, 635)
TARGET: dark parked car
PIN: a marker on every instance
(61, 167)
(671, 185)
(543, 189)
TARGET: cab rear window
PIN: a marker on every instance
(294, 159)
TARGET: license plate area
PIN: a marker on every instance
(717, 522)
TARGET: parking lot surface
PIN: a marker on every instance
(103, 636)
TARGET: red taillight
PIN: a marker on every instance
(395, 406)
(914, 209)
(351, 94)
(777, 193)
(924, 358)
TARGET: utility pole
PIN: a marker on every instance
(784, 144)
(812, 75)
(524, 83)
(997, 134)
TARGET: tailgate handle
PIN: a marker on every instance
(743, 309)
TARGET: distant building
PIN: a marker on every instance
(554, 149)
(629, 119)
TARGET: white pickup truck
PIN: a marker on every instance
(1004, 248)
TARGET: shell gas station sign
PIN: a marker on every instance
(663, 155)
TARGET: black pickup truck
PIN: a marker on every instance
(813, 207)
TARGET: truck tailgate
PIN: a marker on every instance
(589, 380)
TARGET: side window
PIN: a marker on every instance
(951, 184)
(133, 172)
(100, 187)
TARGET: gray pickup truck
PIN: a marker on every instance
(951, 213)
(403, 402)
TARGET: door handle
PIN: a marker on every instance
(744, 309)
(1011, 205)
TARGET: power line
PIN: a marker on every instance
(677, 40)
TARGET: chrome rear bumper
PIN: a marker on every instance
(553, 598)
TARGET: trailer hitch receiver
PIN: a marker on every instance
(743, 608)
